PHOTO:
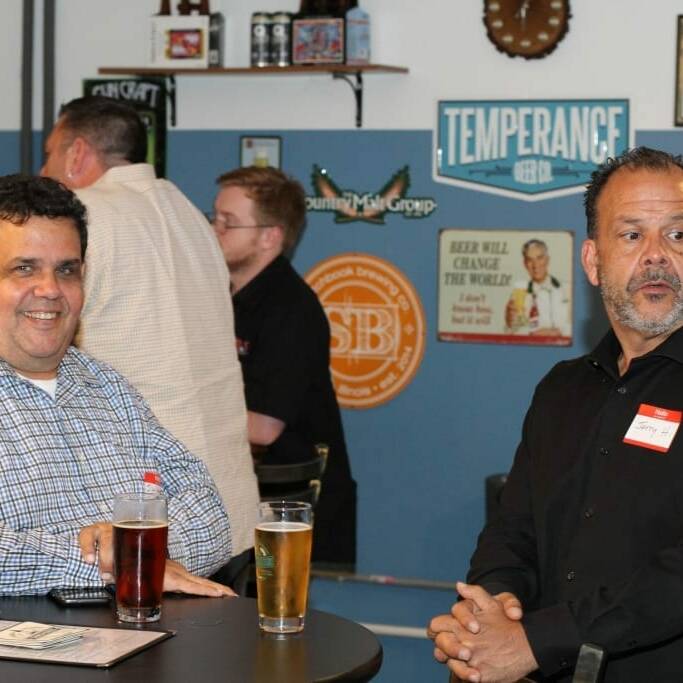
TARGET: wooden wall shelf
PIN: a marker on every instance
(351, 73)
(254, 70)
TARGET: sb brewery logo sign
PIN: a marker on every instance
(377, 327)
(370, 207)
(529, 149)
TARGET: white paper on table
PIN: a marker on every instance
(101, 647)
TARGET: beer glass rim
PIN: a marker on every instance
(140, 506)
(139, 496)
(284, 505)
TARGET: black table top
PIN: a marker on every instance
(217, 639)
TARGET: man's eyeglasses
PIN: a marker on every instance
(220, 223)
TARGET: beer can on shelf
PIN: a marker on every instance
(260, 39)
(280, 37)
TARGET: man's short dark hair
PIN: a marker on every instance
(23, 196)
(278, 199)
(633, 160)
(111, 126)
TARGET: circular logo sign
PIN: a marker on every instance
(377, 327)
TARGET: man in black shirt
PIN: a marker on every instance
(283, 340)
(589, 546)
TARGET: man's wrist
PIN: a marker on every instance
(553, 638)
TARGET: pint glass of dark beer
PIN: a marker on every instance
(140, 534)
(283, 560)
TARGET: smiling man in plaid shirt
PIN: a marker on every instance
(73, 432)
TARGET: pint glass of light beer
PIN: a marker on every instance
(519, 301)
(140, 535)
(283, 560)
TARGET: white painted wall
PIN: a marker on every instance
(615, 48)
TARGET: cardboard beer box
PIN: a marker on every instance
(357, 36)
(179, 41)
(318, 41)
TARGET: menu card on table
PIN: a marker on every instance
(76, 645)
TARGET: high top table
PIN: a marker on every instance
(217, 639)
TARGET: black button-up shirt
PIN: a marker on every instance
(283, 343)
(591, 535)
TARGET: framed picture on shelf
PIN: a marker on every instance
(318, 41)
(258, 150)
(678, 94)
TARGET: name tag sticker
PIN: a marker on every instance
(653, 428)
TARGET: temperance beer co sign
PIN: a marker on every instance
(529, 149)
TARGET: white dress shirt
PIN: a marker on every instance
(158, 308)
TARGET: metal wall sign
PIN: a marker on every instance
(529, 149)
(377, 327)
(505, 286)
(370, 207)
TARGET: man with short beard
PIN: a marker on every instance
(283, 341)
(589, 545)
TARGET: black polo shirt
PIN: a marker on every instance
(283, 343)
(591, 535)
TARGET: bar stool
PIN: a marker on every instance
(293, 481)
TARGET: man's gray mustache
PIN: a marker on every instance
(653, 277)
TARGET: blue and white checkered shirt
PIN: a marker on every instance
(63, 460)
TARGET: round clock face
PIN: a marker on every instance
(526, 28)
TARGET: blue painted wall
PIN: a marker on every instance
(9, 152)
(421, 459)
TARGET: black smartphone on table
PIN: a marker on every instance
(75, 597)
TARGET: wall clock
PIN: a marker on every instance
(526, 28)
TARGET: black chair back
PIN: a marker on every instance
(293, 481)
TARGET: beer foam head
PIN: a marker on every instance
(283, 526)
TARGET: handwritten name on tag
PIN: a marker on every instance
(653, 428)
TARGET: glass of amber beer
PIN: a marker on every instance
(140, 535)
(283, 561)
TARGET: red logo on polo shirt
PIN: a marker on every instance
(242, 347)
